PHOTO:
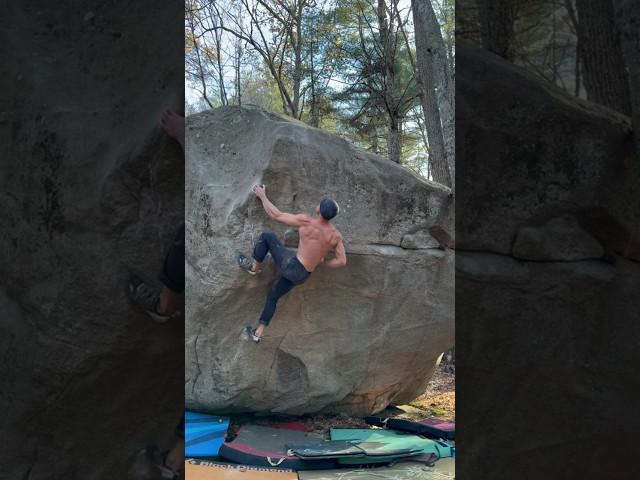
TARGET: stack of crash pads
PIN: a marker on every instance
(299, 450)
(204, 434)
(292, 447)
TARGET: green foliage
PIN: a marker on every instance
(438, 412)
(363, 99)
(260, 89)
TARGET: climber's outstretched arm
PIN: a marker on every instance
(275, 213)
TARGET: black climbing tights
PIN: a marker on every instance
(172, 275)
(280, 288)
(292, 271)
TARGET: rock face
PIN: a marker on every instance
(89, 186)
(349, 340)
(561, 238)
(547, 185)
(627, 19)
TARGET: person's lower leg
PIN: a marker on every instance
(267, 313)
(175, 456)
(260, 330)
(260, 251)
(280, 288)
(168, 302)
(255, 266)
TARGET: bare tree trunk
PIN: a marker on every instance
(218, 46)
(573, 18)
(296, 41)
(375, 145)
(431, 60)
(496, 25)
(468, 20)
(314, 114)
(576, 89)
(627, 14)
(605, 78)
(387, 45)
(394, 140)
(238, 62)
(237, 67)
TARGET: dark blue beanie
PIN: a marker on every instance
(328, 208)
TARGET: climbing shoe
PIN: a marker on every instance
(158, 460)
(147, 298)
(251, 333)
(246, 264)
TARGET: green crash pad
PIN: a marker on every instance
(380, 446)
(400, 471)
(326, 449)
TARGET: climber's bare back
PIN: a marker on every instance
(317, 238)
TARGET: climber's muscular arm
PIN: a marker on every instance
(275, 213)
(341, 256)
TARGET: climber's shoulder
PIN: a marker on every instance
(304, 219)
(295, 220)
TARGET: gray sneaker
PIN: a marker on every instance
(146, 297)
(246, 264)
(251, 333)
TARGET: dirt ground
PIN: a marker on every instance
(440, 397)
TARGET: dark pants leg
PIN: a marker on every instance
(268, 242)
(292, 271)
(281, 287)
(172, 275)
(180, 427)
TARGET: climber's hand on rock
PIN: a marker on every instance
(259, 191)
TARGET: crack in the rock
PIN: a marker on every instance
(523, 260)
(273, 362)
(199, 372)
(360, 249)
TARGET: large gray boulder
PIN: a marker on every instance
(350, 340)
(549, 154)
(547, 277)
(90, 186)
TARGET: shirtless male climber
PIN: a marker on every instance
(318, 237)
